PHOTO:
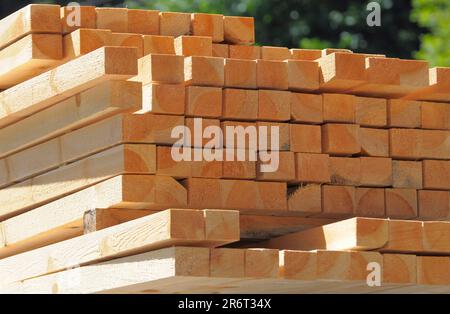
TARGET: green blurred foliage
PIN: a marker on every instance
(435, 15)
(314, 24)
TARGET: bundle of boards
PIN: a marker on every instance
(92, 201)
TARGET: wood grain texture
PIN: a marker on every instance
(126, 159)
(40, 92)
(94, 104)
(164, 229)
(34, 18)
(29, 57)
(49, 224)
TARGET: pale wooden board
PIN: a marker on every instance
(393, 78)
(366, 234)
(165, 229)
(63, 219)
(40, 92)
(123, 159)
(202, 270)
(72, 146)
(28, 57)
(34, 18)
(99, 102)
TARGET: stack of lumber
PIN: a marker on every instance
(92, 200)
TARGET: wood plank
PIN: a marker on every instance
(114, 19)
(312, 168)
(341, 139)
(210, 25)
(401, 203)
(158, 44)
(339, 108)
(407, 174)
(245, 52)
(120, 129)
(165, 263)
(204, 71)
(272, 75)
(335, 75)
(371, 112)
(240, 104)
(434, 205)
(193, 46)
(63, 219)
(204, 102)
(437, 87)
(338, 201)
(174, 24)
(275, 53)
(94, 104)
(305, 200)
(368, 234)
(252, 226)
(274, 105)
(306, 108)
(345, 171)
(161, 68)
(239, 30)
(220, 50)
(217, 271)
(240, 73)
(164, 229)
(145, 22)
(285, 171)
(34, 18)
(370, 202)
(305, 138)
(394, 78)
(84, 41)
(164, 99)
(123, 159)
(71, 22)
(352, 234)
(404, 113)
(420, 144)
(28, 57)
(40, 92)
(229, 194)
(374, 142)
(435, 116)
(436, 174)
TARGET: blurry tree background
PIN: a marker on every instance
(409, 28)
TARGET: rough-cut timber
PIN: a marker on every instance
(107, 63)
(34, 18)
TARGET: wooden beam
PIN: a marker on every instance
(69, 20)
(229, 194)
(210, 25)
(437, 87)
(84, 41)
(418, 144)
(67, 148)
(393, 78)
(212, 271)
(366, 234)
(21, 233)
(352, 234)
(40, 92)
(164, 229)
(123, 159)
(29, 57)
(239, 30)
(335, 75)
(34, 18)
(92, 105)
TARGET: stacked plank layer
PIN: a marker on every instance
(93, 201)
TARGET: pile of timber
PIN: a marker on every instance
(91, 200)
